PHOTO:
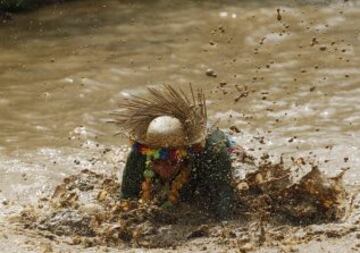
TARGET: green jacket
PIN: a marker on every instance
(210, 183)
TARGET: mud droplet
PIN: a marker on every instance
(278, 17)
(211, 73)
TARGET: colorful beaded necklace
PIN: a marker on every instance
(161, 153)
(172, 154)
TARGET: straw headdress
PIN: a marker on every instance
(164, 117)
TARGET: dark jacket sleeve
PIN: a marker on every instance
(133, 175)
(216, 172)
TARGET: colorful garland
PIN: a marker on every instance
(173, 154)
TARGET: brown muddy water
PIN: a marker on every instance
(289, 80)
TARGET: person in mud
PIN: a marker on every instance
(174, 157)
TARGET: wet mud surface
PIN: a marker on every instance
(286, 205)
(272, 209)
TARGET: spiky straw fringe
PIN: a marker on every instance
(138, 111)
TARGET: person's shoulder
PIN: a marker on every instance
(217, 137)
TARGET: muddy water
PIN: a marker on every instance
(290, 82)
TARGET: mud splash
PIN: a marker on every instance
(85, 209)
(314, 199)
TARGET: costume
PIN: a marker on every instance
(173, 156)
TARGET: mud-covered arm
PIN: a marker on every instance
(133, 175)
(217, 171)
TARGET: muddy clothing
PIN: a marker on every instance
(210, 182)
